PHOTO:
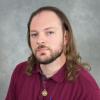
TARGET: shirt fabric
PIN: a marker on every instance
(24, 87)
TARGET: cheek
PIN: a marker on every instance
(55, 45)
(33, 45)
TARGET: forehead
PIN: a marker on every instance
(45, 18)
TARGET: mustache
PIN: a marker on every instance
(41, 47)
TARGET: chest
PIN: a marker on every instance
(31, 89)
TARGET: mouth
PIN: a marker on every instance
(41, 49)
(41, 52)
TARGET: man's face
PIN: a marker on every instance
(47, 38)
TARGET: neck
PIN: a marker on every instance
(51, 68)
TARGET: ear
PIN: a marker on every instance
(66, 37)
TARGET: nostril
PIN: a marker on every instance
(40, 42)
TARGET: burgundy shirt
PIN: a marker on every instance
(24, 87)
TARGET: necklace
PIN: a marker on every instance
(44, 91)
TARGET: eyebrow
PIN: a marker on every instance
(43, 29)
(49, 28)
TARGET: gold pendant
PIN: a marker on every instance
(44, 92)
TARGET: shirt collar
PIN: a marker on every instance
(58, 77)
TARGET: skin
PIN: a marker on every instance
(48, 41)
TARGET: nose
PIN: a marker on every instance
(41, 39)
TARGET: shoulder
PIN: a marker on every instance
(21, 66)
(20, 69)
(88, 85)
(18, 73)
(86, 78)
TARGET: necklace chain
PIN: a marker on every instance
(44, 91)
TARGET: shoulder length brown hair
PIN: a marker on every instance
(73, 58)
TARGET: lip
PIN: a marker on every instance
(41, 49)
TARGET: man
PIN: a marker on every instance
(54, 70)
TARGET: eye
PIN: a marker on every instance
(33, 34)
(50, 32)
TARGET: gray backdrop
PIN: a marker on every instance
(84, 16)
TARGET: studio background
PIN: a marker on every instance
(84, 16)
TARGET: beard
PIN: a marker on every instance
(53, 55)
